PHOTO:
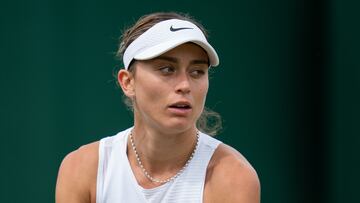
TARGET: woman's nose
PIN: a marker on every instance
(183, 84)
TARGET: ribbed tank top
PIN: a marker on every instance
(116, 182)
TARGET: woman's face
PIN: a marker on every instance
(170, 90)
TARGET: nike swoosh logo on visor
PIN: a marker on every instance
(180, 28)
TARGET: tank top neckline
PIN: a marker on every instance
(116, 181)
(129, 169)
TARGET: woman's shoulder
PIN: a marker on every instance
(82, 157)
(87, 156)
(77, 174)
(231, 176)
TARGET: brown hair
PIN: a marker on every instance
(209, 121)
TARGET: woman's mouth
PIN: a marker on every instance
(180, 108)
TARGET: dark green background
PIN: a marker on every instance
(287, 88)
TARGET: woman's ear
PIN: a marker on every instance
(126, 81)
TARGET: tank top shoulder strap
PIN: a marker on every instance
(209, 141)
(115, 181)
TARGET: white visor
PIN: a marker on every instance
(165, 36)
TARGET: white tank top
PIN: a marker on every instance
(116, 182)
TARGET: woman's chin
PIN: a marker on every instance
(178, 125)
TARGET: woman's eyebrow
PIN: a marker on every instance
(200, 62)
(175, 60)
(168, 58)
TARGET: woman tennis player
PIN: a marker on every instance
(167, 155)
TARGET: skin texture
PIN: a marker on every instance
(179, 75)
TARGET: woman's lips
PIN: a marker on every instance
(180, 108)
(180, 111)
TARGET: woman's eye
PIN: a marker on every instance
(167, 70)
(197, 73)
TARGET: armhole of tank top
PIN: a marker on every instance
(100, 173)
(214, 143)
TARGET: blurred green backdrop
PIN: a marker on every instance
(287, 88)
